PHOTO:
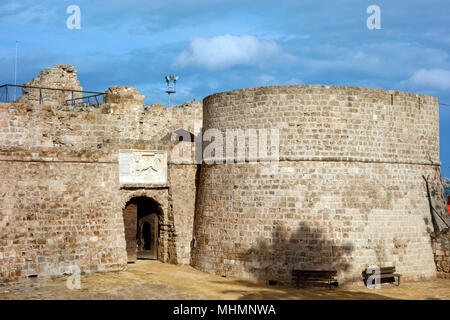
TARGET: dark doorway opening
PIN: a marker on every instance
(141, 220)
(146, 235)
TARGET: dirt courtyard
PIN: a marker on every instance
(155, 280)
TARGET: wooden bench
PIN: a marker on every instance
(328, 276)
(387, 274)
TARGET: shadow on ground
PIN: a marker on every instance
(256, 291)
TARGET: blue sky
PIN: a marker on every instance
(222, 45)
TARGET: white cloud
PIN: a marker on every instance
(267, 79)
(28, 13)
(270, 80)
(225, 51)
(431, 78)
(294, 81)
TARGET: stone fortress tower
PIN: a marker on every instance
(348, 192)
(99, 187)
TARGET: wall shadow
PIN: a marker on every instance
(274, 258)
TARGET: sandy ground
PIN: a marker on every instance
(155, 280)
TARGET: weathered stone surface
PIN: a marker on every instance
(347, 193)
(61, 202)
(441, 250)
(60, 76)
(122, 100)
(146, 168)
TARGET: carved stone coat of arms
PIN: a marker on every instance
(142, 167)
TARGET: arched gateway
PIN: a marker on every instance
(141, 222)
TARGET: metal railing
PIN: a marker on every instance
(96, 98)
(41, 95)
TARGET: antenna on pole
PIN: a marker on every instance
(15, 72)
(171, 86)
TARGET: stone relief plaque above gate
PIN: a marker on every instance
(141, 167)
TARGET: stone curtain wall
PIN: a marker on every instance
(348, 191)
(62, 133)
(130, 223)
(441, 250)
(61, 203)
(183, 193)
(56, 215)
(60, 76)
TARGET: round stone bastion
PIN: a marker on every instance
(346, 190)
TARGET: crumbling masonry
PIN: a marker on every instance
(348, 191)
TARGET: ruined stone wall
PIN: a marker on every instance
(60, 76)
(441, 250)
(183, 194)
(348, 191)
(61, 203)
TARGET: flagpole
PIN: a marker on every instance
(15, 73)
